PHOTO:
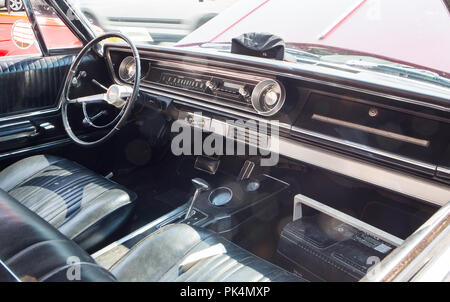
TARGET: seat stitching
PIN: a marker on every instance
(184, 255)
(37, 172)
(39, 187)
(97, 220)
(217, 264)
(226, 267)
(227, 273)
(42, 185)
(140, 243)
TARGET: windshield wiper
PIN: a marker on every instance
(403, 71)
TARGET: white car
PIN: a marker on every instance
(14, 5)
(152, 20)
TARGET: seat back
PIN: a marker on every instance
(33, 250)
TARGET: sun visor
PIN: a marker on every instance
(264, 45)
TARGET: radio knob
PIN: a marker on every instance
(211, 85)
(243, 91)
(271, 98)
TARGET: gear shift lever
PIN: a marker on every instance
(200, 186)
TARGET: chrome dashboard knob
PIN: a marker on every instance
(268, 97)
(243, 91)
(211, 85)
(271, 98)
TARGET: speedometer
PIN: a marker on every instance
(127, 69)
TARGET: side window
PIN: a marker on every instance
(55, 33)
(16, 35)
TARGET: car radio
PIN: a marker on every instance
(215, 86)
(264, 96)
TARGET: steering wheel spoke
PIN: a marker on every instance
(90, 99)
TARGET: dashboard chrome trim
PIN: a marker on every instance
(431, 168)
(183, 100)
(387, 178)
(388, 134)
(156, 53)
(289, 69)
(400, 182)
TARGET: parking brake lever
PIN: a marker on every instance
(200, 186)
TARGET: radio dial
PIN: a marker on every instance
(271, 98)
(243, 91)
(268, 97)
(211, 85)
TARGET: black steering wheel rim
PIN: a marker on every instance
(128, 107)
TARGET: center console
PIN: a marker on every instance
(223, 208)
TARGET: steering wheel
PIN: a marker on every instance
(122, 97)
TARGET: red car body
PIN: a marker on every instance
(55, 32)
(413, 32)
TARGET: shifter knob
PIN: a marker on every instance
(200, 184)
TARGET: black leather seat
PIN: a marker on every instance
(32, 250)
(81, 204)
(159, 256)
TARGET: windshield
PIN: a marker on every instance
(407, 38)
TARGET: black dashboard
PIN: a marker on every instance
(382, 126)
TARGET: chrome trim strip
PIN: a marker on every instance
(36, 148)
(199, 97)
(364, 148)
(14, 124)
(10, 271)
(434, 262)
(23, 134)
(29, 114)
(443, 170)
(392, 135)
(189, 68)
(402, 264)
(300, 199)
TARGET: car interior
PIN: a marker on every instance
(88, 172)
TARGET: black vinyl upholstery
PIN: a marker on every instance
(74, 201)
(33, 250)
(158, 256)
(83, 205)
(31, 83)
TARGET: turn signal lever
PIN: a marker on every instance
(200, 186)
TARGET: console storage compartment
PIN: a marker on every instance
(329, 245)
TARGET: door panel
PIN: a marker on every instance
(31, 84)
